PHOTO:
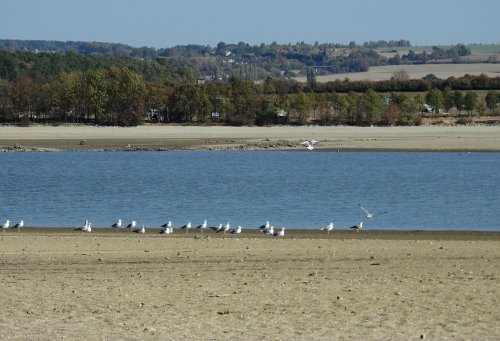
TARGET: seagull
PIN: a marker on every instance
(167, 228)
(19, 225)
(328, 228)
(225, 228)
(140, 230)
(309, 144)
(5, 225)
(202, 226)
(118, 224)
(369, 215)
(265, 226)
(84, 227)
(270, 230)
(87, 227)
(357, 227)
(237, 231)
(279, 233)
(132, 225)
(186, 227)
(216, 228)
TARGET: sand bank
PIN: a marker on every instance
(107, 285)
(425, 138)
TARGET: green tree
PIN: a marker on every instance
(303, 105)
(371, 105)
(448, 99)
(492, 100)
(245, 98)
(126, 91)
(434, 98)
(470, 102)
(93, 95)
(65, 97)
(458, 101)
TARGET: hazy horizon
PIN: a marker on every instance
(163, 24)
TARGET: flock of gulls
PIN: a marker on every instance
(168, 228)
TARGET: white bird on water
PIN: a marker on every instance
(6, 225)
(280, 233)
(328, 228)
(117, 225)
(309, 144)
(357, 227)
(369, 214)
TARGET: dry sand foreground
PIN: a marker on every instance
(463, 138)
(124, 286)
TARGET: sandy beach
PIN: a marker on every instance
(63, 284)
(168, 137)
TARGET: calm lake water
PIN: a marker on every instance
(428, 191)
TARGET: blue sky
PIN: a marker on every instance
(156, 23)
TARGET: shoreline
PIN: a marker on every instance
(254, 233)
(222, 138)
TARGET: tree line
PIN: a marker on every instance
(121, 96)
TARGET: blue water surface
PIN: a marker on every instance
(427, 191)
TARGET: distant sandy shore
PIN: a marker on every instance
(107, 285)
(169, 137)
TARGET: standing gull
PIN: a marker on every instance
(5, 225)
(237, 231)
(280, 233)
(328, 228)
(19, 225)
(186, 227)
(167, 228)
(369, 214)
(132, 225)
(357, 227)
(226, 228)
(216, 228)
(202, 226)
(140, 230)
(117, 225)
(265, 226)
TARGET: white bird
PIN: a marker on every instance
(186, 227)
(369, 214)
(140, 230)
(84, 227)
(309, 144)
(167, 228)
(6, 224)
(216, 228)
(265, 226)
(270, 230)
(87, 227)
(202, 226)
(19, 225)
(328, 228)
(280, 233)
(226, 228)
(237, 231)
(357, 227)
(118, 224)
(132, 225)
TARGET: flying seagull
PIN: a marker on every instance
(369, 214)
(309, 144)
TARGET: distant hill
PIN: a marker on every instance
(252, 62)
